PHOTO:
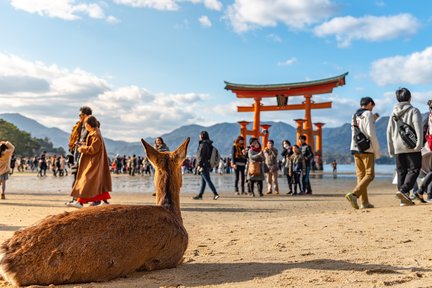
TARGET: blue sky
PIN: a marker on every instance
(147, 67)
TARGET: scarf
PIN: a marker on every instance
(256, 149)
(238, 151)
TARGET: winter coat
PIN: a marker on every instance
(203, 154)
(254, 156)
(93, 175)
(412, 117)
(366, 123)
(296, 163)
(5, 158)
(162, 148)
(286, 153)
(271, 159)
(239, 158)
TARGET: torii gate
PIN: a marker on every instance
(282, 92)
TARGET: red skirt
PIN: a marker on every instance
(100, 197)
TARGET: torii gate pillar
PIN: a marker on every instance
(318, 134)
(299, 128)
(265, 134)
(243, 130)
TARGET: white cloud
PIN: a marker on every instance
(274, 38)
(209, 4)
(205, 21)
(415, 68)
(247, 15)
(369, 28)
(53, 95)
(288, 62)
(155, 4)
(63, 9)
(112, 20)
(213, 4)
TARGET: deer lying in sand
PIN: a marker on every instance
(102, 243)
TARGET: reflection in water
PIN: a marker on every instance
(29, 183)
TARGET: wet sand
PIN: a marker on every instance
(274, 241)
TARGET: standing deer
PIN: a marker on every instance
(101, 243)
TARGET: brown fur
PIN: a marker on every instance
(103, 243)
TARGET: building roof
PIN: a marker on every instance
(287, 89)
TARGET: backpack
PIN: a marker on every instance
(214, 158)
(406, 132)
(360, 139)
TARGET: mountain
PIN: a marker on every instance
(60, 138)
(336, 141)
(56, 136)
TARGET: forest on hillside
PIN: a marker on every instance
(25, 144)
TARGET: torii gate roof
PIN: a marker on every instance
(322, 86)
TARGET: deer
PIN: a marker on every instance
(101, 243)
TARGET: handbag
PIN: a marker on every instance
(428, 139)
(254, 169)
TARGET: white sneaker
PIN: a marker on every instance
(74, 204)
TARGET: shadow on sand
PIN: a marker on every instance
(202, 274)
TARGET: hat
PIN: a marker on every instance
(366, 100)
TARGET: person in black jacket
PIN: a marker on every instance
(239, 164)
(203, 155)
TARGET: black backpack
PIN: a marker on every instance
(406, 132)
(362, 142)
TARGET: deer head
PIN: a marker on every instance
(168, 177)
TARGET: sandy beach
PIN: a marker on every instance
(274, 241)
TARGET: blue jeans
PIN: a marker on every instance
(305, 180)
(205, 179)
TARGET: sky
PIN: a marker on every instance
(147, 67)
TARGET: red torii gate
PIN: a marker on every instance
(282, 92)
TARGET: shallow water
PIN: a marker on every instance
(29, 183)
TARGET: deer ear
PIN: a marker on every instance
(181, 151)
(150, 151)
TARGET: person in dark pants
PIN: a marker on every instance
(408, 158)
(203, 155)
(286, 154)
(255, 166)
(307, 153)
(239, 164)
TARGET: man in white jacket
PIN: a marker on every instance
(408, 159)
(364, 160)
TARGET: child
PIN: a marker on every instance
(255, 167)
(296, 169)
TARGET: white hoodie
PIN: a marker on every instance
(412, 117)
(366, 124)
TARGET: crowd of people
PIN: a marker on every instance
(409, 141)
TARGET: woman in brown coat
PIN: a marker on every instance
(93, 182)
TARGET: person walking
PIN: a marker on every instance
(203, 155)
(238, 153)
(425, 174)
(364, 159)
(6, 151)
(78, 138)
(270, 156)
(407, 151)
(93, 182)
